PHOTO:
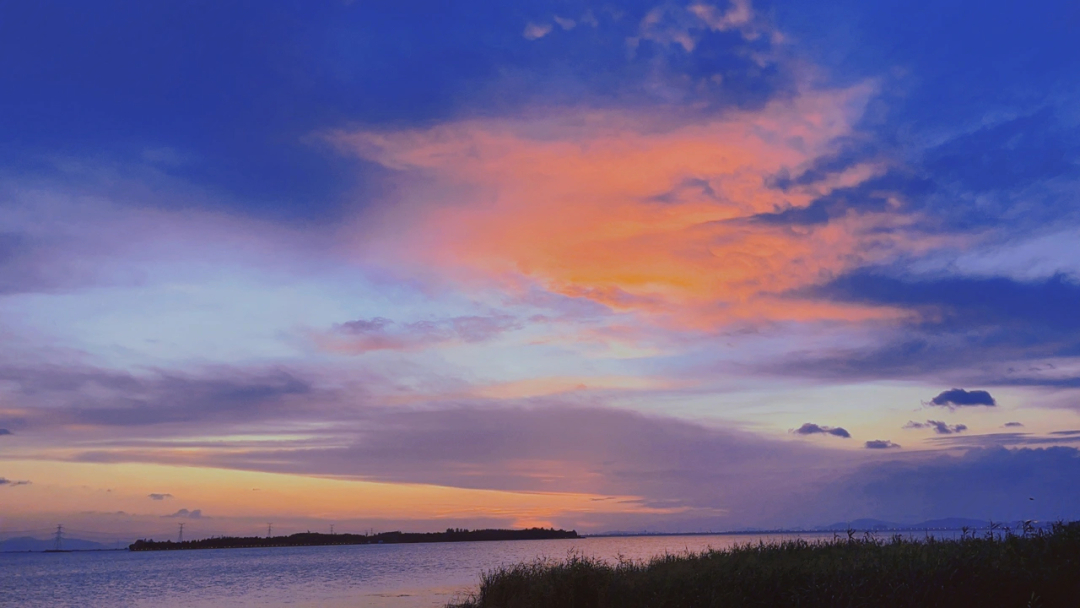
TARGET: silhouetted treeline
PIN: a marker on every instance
(1036, 568)
(310, 539)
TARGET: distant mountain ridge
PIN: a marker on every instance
(948, 523)
(858, 525)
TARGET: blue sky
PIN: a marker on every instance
(472, 251)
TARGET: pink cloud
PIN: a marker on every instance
(536, 31)
(641, 213)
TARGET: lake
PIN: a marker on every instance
(379, 576)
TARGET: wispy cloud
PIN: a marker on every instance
(186, 514)
(939, 427)
(92, 397)
(365, 335)
(565, 22)
(160, 496)
(685, 26)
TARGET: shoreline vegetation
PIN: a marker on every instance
(1034, 568)
(318, 539)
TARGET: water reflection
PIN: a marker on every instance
(381, 576)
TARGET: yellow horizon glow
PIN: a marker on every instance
(69, 487)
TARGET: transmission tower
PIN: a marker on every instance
(180, 538)
(59, 537)
(269, 530)
(331, 529)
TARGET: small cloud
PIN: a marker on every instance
(5, 432)
(185, 514)
(941, 428)
(589, 19)
(159, 496)
(535, 31)
(564, 23)
(9, 482)
(881, 444)
(365, 326)
(812, 429)
(1013, 424)
(959, 397)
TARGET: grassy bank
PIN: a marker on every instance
(1033, 569)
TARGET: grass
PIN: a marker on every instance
(1033, 569)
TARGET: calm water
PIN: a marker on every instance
(390, 576)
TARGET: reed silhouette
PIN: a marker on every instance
(1032, 568)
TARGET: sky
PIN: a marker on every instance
(601, 266)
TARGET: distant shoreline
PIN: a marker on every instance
(766, 532)
(860, 526)
(317, 539)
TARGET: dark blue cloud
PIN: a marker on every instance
(975, 103)
(810, 428)
(939, 427)
(960, 322)
(10, 482)
(227, 94)
(958, 397)
(995, 176)
(870, 196)
(989, 483)
(880, 444)
(848, 153)
(1008, 175)
(94, 396)
(1005, 440)
(1008, 154)
(186, 514)
(1032, 309)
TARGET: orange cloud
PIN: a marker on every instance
(639, 212)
